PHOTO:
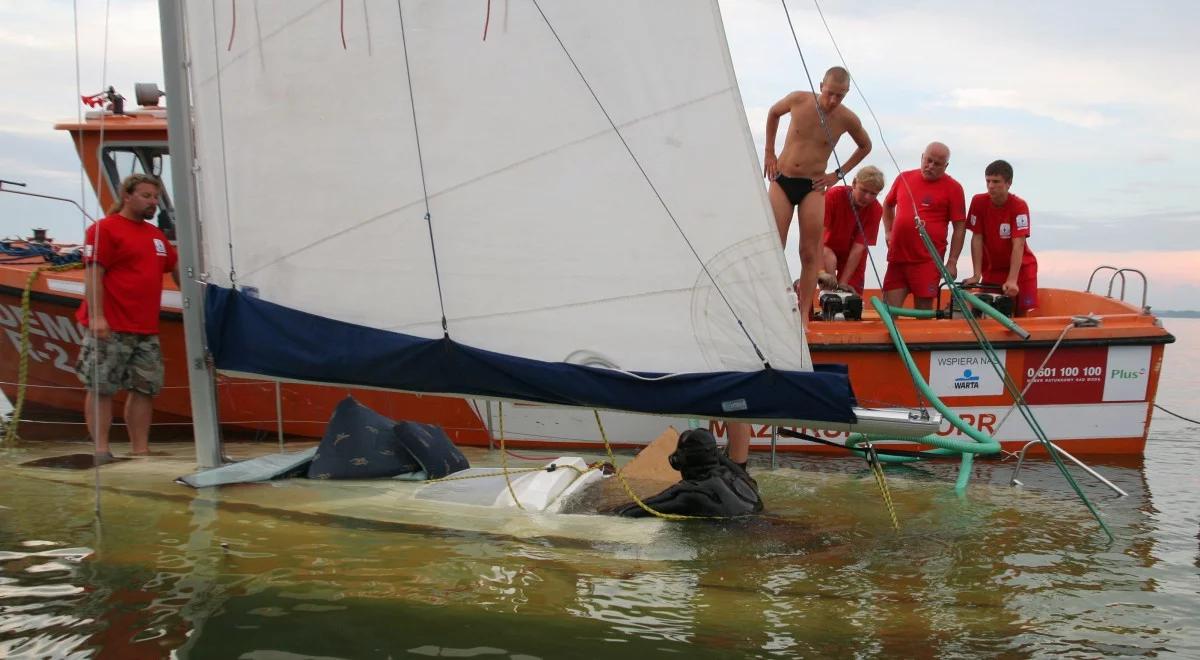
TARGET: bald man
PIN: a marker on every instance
(935, 197)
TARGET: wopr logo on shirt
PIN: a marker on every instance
(160, 248)
(1005, 230)
(1022, 221)
(971, 221)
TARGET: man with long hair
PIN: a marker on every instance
(125, 258)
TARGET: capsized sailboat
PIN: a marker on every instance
(545, 197)
(1092, 385)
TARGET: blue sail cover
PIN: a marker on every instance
(250, 335)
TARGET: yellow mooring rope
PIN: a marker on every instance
(629, 491)
(10, 434)
(881, 480)
(504, 462)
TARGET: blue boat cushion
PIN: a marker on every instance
(359, 443)
(430, 446)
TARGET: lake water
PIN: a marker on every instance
(1001, 572)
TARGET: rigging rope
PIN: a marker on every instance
(833, 151)
(629, 489)
(1036, 374)
(504, 462)
(870, 110)
(829, 140)
(91, 293)
(612, 124)
(958, 298)
(881, 481)
(1176, 414)
(421, 165)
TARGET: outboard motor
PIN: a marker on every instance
(712, 486)
(1002, 303)
(847, 303)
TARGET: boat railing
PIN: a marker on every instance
(1112, 280)
(1013, 481)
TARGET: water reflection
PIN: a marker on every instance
(1010, 572)
(654, 605)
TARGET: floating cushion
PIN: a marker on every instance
(431, 448)
(359, 443)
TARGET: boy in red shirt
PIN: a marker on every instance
(938, 199)
(125, 258)
(999, 222)
(849, 212)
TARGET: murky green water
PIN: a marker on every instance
(1003, 572)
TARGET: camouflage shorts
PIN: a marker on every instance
(124, 361)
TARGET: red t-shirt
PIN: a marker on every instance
(999, 225)
(939, 202)
(134, 254)
(841, 227)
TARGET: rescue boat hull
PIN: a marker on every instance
(1091, 388)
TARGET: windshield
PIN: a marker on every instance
(122, 160)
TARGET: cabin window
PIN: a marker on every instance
(122, 160)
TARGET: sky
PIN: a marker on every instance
(1093, 102)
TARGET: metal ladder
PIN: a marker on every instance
(1120, 272)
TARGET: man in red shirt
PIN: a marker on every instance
(125, 258)
(849, 212)
(999, 222)
(935, 197)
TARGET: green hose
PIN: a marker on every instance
(961, 299)
(910, 312)
(993, 313)
(983, 443)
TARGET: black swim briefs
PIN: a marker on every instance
(796, 188)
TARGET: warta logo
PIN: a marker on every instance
(968, 381)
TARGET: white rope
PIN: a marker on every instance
(878, 125)
(1036, 374)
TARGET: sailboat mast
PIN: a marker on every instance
(205, 423)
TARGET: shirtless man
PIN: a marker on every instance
(817, 122)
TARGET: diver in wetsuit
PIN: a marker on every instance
(712, 486)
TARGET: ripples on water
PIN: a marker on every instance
(1015, 573)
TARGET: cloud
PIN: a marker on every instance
(1011, 99)
(1171, 276)
(1094, 103)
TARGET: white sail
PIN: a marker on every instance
(551, 243)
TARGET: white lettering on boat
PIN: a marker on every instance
(985, 422)
(47, 334)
